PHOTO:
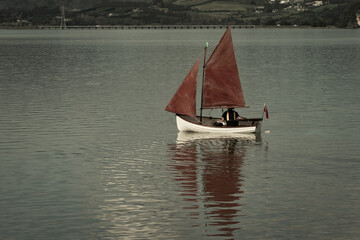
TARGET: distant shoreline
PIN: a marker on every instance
(159, 27)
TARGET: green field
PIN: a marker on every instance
(221, 6)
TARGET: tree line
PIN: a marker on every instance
(167, 13)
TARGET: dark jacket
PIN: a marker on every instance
(230, 117)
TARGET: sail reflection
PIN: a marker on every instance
(208, 169)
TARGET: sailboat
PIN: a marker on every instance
(221, 89)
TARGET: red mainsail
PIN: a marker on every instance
(222, 87)
(184, 100)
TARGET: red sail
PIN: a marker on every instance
(184, 100)
(222, 87)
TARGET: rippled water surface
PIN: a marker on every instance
(87, 151)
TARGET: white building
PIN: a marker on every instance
(284, 1)
(318, 3)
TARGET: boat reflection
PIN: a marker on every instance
(208, 169)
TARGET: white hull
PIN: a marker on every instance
(187, 126)
(192, 136)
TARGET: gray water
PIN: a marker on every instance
(87, 151)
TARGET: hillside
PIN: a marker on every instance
(341, 13)
(31, 4)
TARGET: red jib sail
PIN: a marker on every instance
(184, 100)
(222, 87)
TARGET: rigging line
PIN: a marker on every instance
(210, 112)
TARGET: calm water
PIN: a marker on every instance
(87, 152)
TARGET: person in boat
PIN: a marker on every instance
(231, 117)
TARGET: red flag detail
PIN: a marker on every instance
(266, 112)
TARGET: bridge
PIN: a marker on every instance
(123, 27)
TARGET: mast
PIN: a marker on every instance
(203, 78)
